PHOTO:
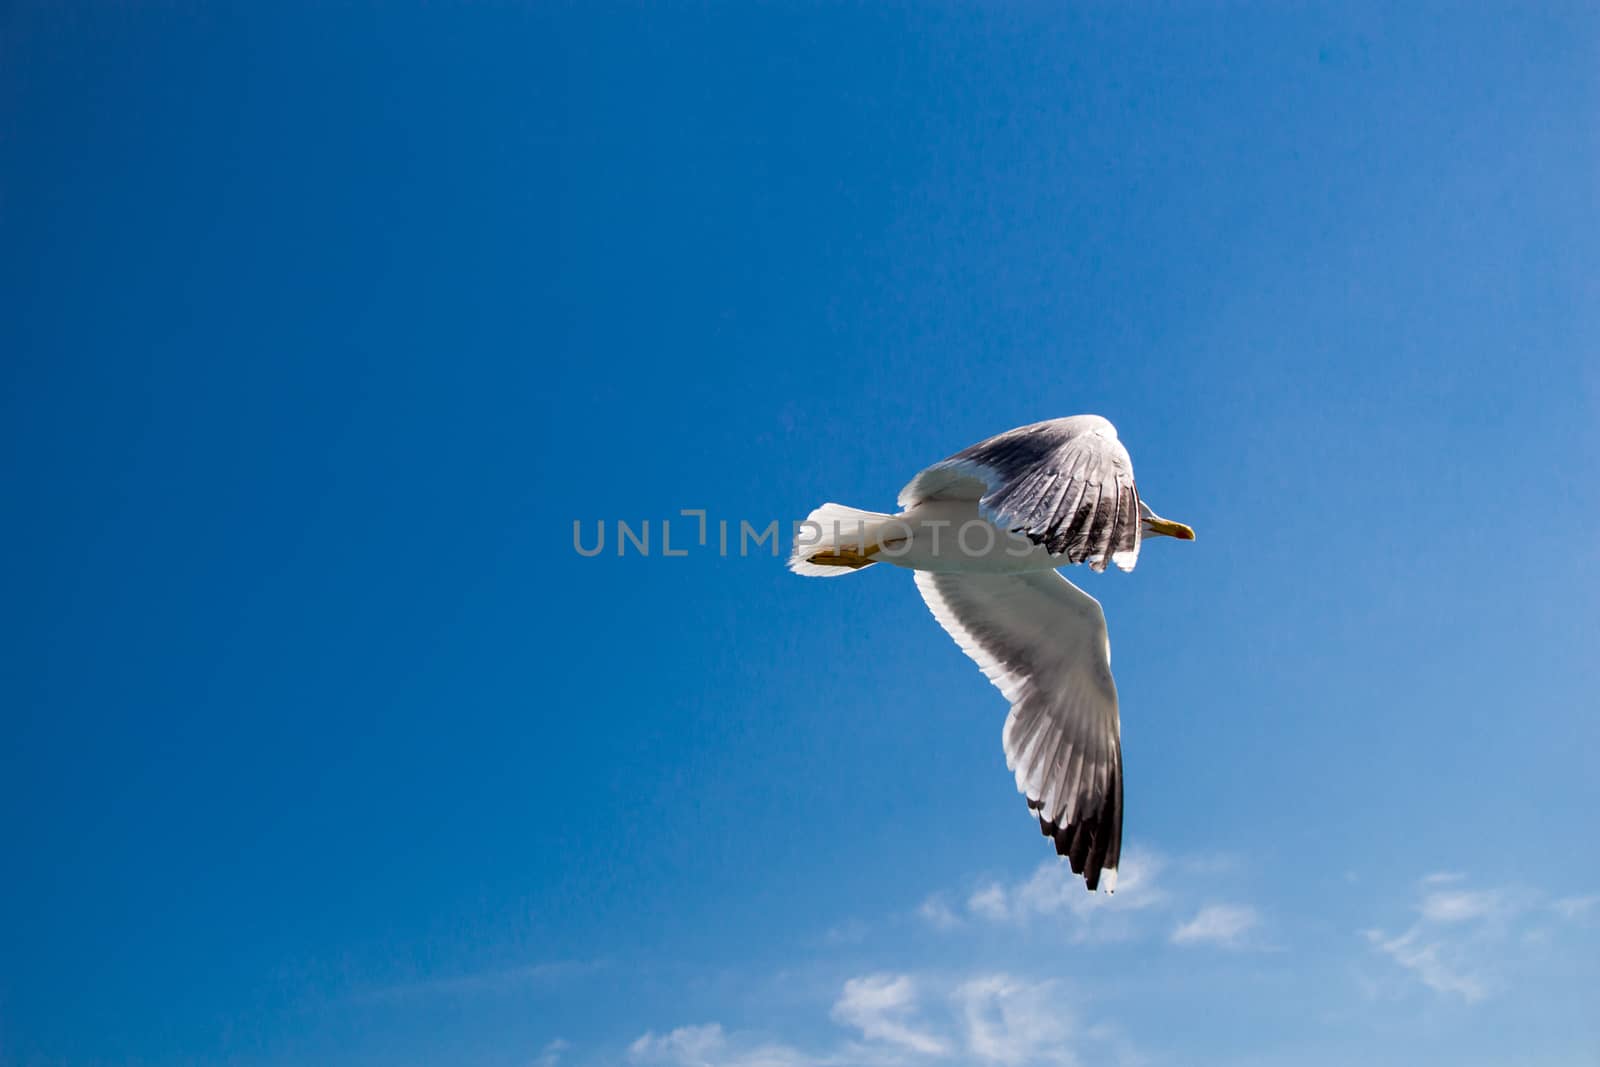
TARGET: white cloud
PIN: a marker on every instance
(1454, 940)
(1575, 907)
(1217, 924)
(1427, 960)
(905, 1020)
(550, 1055)
(989, 902)
(1461, 905)
(1463, 938)
(882, 1007)
(686, 1044)
(1013, 1022)
(1439, 946)
(1053, 894)
(710, 1046)
(937, 913)
(1442, 877)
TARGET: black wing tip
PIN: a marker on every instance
(1091, 846)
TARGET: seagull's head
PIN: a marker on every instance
(1155, 526)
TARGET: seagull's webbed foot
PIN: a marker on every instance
(853, 557)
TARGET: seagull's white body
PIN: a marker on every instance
(983, 530)
(954, 536)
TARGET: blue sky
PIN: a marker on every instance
(323, 326)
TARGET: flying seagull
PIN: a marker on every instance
(984, 532)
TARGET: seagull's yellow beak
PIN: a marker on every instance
(1168, 528)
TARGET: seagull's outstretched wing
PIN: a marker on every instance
(1042, 641)
(1066, 484)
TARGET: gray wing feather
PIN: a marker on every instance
(1042, 641)
(1066, 484)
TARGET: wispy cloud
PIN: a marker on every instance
(937, 913)
(882, 1007)
(1442, 878)
(1575, 907)
(1153, 900)
(1007, 1021)
(1463, 938)
(1462, 905)
(1053, 895)
(550, 1055)
(1224, 925)
(991, 902)
(710, 1046)
(1463, 942)
(1429, 961)
(907, 1020)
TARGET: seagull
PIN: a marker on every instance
(985, 531)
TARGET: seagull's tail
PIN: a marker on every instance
(835, 540)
